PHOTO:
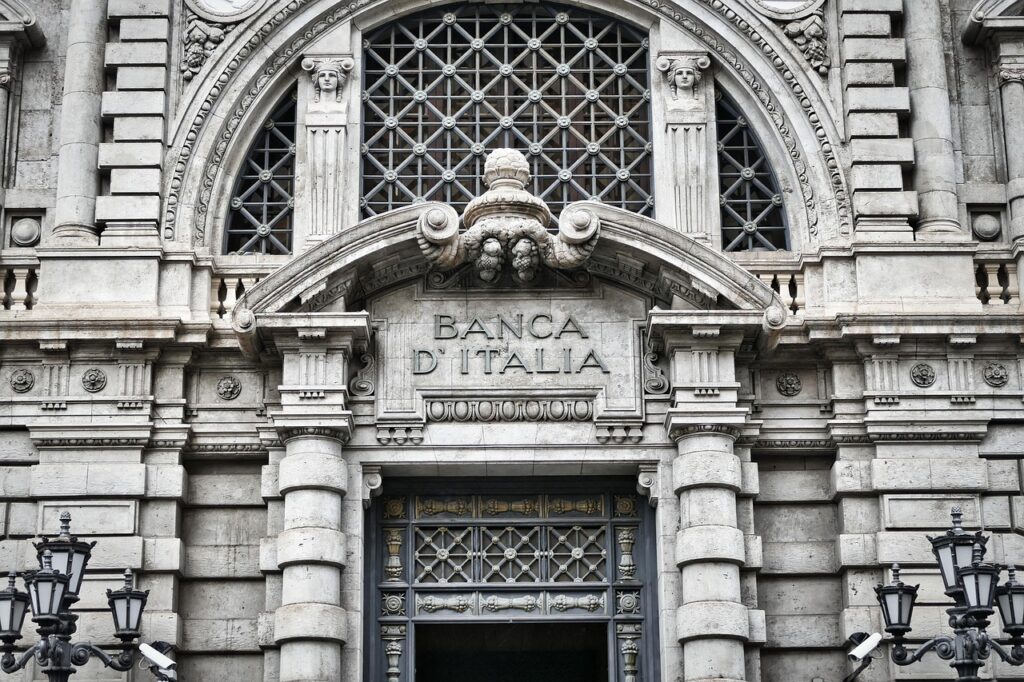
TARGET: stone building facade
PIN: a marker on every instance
(622, 340)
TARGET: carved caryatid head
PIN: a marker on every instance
(329, 75)
(683, 72)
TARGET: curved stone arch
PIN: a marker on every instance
(248, 67)
(340, 260)
(16, 17)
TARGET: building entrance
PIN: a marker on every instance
(524, 580)
(522, 652)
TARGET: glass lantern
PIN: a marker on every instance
(897, 602)
(955, 550)
(979, 583)
(1010, 600)
(13, 608)
(47, 588)
(126, 605)
(68, 554)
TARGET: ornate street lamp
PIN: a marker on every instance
(52, 590)
(973, 585)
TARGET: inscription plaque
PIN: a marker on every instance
(522, 344)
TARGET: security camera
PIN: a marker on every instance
(163, 667)
(866, 646)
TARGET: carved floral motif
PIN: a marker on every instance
(94, 380)
(199, 40)
(788, 384)
(228, 388)
(808, 34)
(922, 374)
(22, 380)
(995, 374)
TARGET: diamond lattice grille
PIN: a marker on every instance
(566, 87)
(262, 204)
(752, 216)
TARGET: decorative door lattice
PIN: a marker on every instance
(752, 215)
(567, 87)
(567, 554)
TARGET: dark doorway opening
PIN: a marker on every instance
(527, 652)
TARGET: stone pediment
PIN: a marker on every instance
(506, 241)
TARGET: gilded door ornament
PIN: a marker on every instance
(507, 224)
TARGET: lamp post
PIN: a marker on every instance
(973, 586)
(52, 591)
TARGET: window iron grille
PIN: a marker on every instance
(262, 204)
(566, 87)
(752, 215)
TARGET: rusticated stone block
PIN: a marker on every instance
(875, 49)
(313, 470)
(70, 480)
(856, 549)
(141, 78)
(709, 543)
(163, 554)
(869, 150)
(929, 474)
(148, 28)
(228, 634)
(15, 481)
(138, 128)
(716, 469)
(803, 631)
(166, 481)
(851, 476)
(310, 546)
(136, 54)
(132, 103)
(310, 621)
(712, 619)
(878, 99)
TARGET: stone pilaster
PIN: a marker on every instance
(712, 622)
(1011, 81)
(932, 127)
(316, 625)
(78, 180)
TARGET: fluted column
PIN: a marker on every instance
(80, 128)
(931, 121)
(712, 622)
(310, 624)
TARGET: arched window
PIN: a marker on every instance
(752, 215)
(567, 87)
(262, 204)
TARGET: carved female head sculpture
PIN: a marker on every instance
(329, 76)
(683, 73)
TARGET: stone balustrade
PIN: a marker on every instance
(227, 288)
(996, 282)
(20, 278)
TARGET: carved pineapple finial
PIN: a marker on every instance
(506, 168)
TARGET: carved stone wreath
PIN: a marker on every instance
(507, 224)
(922, 375)
(228, 388)
(94, 380)
(22, 381)
(995, 374)
(788, 384)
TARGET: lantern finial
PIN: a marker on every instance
(65, 524)
(957, 515)
(896, 573)
(128, 581)
(47, 561)
(977, 554)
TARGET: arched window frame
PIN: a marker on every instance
(719, 76)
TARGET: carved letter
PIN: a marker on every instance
(571, 326)
(593, 360)
(417, 361)
(533, 326)
(444, 327)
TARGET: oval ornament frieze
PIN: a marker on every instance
(225, 11)
(784, 10)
